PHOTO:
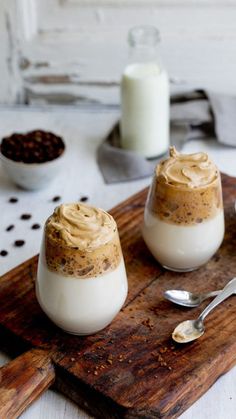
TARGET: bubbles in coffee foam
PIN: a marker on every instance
(81, 241)
(186, 197)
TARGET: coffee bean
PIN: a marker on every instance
(13, 200)
(56, 198)
(25, 216)
(3, 253)
(84, 198)
(10, 227)
(35, 226)
(19, 243)
(33, 147)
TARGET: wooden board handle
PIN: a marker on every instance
(23, 380)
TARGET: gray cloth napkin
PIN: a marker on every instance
(194, 115)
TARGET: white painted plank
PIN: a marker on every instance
(189, 19)
(88, 47)
(10, 84)
(27, 19)
(144, 3)
(4, 70)
(87, 44)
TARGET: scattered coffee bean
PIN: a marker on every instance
(84, 199)
(25, 216)
(56, 198)
(19, 243)
(3, 253)
(13, 200)
(35, 226)
(10, 227)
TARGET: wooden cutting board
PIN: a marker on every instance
(131, 369)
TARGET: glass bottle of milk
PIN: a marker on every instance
(145, 96)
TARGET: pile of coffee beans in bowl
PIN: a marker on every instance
(32, 160)
(33, 147)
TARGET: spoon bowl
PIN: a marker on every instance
(186, 298)
(190, 330)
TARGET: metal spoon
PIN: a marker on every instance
(192, 329)
(187, 298)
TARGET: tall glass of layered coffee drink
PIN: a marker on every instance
(184, 218)
(81, 283)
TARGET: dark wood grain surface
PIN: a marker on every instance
(133, 369)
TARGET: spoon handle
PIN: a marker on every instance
(210, 294)
(213, 294)
(228, 290)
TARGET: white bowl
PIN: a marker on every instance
(32, 176)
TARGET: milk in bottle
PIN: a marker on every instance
(145, 96)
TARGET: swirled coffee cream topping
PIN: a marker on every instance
(81, 241)
(187, 170)
(186, 189)
(82, 226)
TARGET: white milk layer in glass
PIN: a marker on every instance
(81, 306)
(183, 247)
(145, 109)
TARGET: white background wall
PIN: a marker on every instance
(73, 51)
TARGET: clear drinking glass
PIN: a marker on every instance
(81, 290)
(184, 226)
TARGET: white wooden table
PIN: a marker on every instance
(83, 130)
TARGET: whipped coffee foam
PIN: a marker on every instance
(186, 189)
(82, 226)
(187, 170)
(81, 241)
